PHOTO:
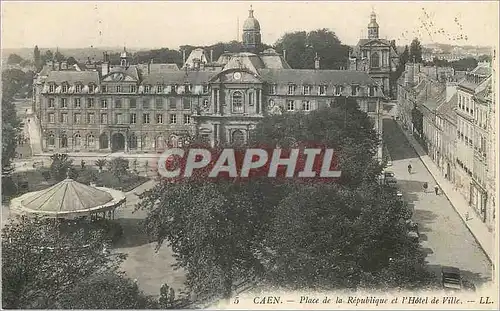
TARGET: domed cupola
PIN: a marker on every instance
(373, 27)
(251, 32)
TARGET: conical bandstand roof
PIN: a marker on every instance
(66, 196)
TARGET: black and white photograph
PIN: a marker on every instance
(249, 155)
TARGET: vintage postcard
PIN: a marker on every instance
(249, 155)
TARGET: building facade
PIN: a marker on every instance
(474, 108)
(378, 57)
(147, 107)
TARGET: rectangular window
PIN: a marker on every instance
(104, 118)
(145, 118)
(186, 103)
(159, 88)
(90, 103)
(132, 103)
(291, 89)
(64, 118)
(77, 103)
(159, 103)
(52, 118)
(145, 104)
(104, 103)
(77, 118)
(205, 88)
(372, 90)
(118, 118)
(322, 89)
(91, 88)
(306, 105)
(65, 88)
(173, 119)
(118, 89)
(91, 118)
(118, 103)
(372, 107)
(104, 88)
(64, 103)
(251, 99)
(187, 119)
(51, 102)
(338, 90)
(133, 89)
(159, 118)
(146, 88)
(306, 90)
(290, 105)
(133, 118)
(78, 88)
(172, 104)
(273, 89)
(51, 88)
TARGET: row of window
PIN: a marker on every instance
(158, 103)
(321, 90)
(132, 88)
(119, 118)
(91, 141)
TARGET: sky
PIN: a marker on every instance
(171, 24)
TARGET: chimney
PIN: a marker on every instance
(149, 66)
(316, 62)
(284, 54)
(59, 66)
(184, 56)
(211, 56)
(104, 68)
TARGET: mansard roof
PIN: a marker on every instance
(72, 77)
(179, 77)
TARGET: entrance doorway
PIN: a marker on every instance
(117, 142)
(103, 141)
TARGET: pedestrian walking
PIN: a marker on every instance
(409, 168)
(436, 189)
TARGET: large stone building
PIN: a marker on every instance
(378, 57)
(145, 107)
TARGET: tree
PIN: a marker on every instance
(59, 57)
(301, 49)
(43, 260)
(48, 56)
(416, 51)
(100, 163)
(118, 167)
(403, 59)
(71, 61)
(61, 166)
(14, 59)
(110, 290)
(37, 58)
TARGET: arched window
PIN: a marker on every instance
(145, 142)
(64, 141)
(77, 140)
(132, 141)
(238, 138)
(51, 140)
(174, 141)
(90, 141)
(237, 102)
(375, 60)
(103, 141)
(159, 142)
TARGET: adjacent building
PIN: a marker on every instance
(378, 57)
(146, 107)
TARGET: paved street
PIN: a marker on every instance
(444, 236)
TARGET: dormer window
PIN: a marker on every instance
(147, 89)
(291, 89)
(104, 88)
(52, 87)
(306, 90)
(188, 87)
(78, 88)
(91, 88)
(354, 90)
(322, 89)
(338, 90)
(159, 88)
(65, 88)
(205, 88)
(272, 89)
(118, 89)
(373, 90)
(133, 89)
